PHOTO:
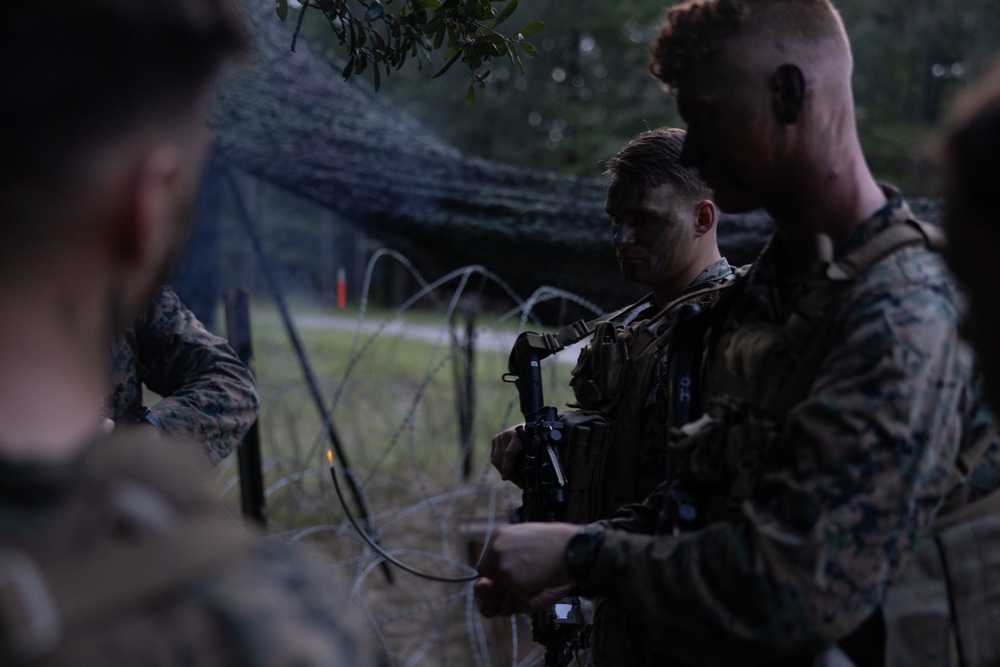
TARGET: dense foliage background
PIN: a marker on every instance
(576, 103)
(587, 91)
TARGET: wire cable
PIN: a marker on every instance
(377, 548)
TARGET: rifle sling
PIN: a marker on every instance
(549, 344)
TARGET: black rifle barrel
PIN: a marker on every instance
(558, 627)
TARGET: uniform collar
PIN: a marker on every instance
(770, 287)
(717, 270)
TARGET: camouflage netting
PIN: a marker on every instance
(291, 120)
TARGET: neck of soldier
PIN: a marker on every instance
(831, 191)
(669, 290)
(53, 374)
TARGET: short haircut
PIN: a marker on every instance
(694, 33)
(971, 155)
(78, 72)
(652, 159)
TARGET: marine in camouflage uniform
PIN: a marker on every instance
(663, 232)
(801, 549)
(844, 425)
(131, 530)
(663, 229)
(117, 552)
(209, 395)
(636, 462)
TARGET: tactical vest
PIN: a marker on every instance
(100, 579)
(941, 609)
(612, 384)
(760, 370)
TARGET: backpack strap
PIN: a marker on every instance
(548, 343)
(808, 330)
(886, 242)
(988, 505)
(812, 316)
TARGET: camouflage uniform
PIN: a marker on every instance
(848, 479)
(142, 567)
(636, 462)
(209, 395)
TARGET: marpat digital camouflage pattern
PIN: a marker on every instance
(209, 395)
(253, 602)
(851, 479)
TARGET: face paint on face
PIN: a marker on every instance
(649, 232)
(670, 238)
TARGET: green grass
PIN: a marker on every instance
(396, 398)
(396, 415)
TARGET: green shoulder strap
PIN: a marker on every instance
(884, 244)
(812, 312)
(549, 344)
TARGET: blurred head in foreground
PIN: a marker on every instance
(102, 136)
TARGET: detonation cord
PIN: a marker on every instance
(377, 548)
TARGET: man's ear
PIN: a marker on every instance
(143, 231)
(706, 214)
(788, 94)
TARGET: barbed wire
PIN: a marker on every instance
(441, 520)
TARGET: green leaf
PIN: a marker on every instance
(435, 24)
(490, 38)
(378, 78)
(281, 7)
(516, 59)
(529, 49)
(470, 95)
(350, 67)
(505, 13)
(448, 65)
(531, 28)
(431, 5)
(439, 37)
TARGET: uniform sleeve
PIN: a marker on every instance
(209, 395)
(852, 485)
(637, 518)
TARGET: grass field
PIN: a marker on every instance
(394, 402)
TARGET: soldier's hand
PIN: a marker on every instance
(493, 599)
(523, 568)
(505, 449)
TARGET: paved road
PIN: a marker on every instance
(497, 341)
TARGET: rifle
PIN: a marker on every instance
(559, 628)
